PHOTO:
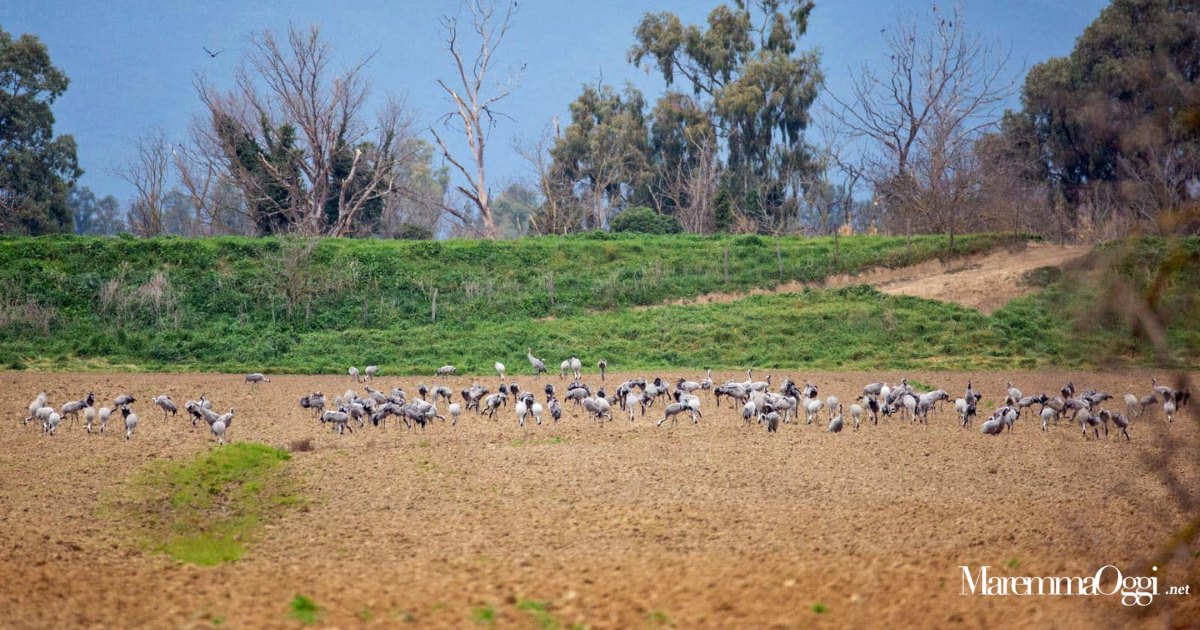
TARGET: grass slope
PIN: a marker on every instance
(1073, 321)
(311, 306)
(1084, 315)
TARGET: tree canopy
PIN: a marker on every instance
(1113, 120)
(37, 169)
(747, 71)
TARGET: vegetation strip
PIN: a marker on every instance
(205, 509)
(241, 304)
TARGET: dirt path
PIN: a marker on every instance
(985, 282)
(625, 525)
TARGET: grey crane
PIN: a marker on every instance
(835, 425)
(993, 426)
(538, 365)
(74, 407)
(772, 418)
(51, 423)
(672, 411)
(167, 405)
(221, 425)
(1120, 421)
(314, 401)
(442, 392)
(340, 420)
(749, 412)
(1014, 394)
(37, 403)
(1086, 419)
(131, 421)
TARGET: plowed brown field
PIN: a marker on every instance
(616, 526)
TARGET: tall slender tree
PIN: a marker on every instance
(475, 105)
(296, 137)
(747, 69)
(37, 169)
(921, 113)
(1110, 122)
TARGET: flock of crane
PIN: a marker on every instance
(96, 419)
(757, 401)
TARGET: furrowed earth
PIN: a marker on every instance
(615, 526)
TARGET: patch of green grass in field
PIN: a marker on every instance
(205, 509)
(540, 612)
(484, 615)
(534, 441)
(304, 610)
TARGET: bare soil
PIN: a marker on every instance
(984, 282)
(615, 526)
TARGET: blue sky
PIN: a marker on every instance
(132, 63)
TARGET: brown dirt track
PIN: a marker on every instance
(712, 525)
(984, 282)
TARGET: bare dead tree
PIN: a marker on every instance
(688, 183)
(1011, 198)
(216, 204)
(558, 214)
(474, 114)
(415, 208)
(1158, 167)
(943, 87)
(829, 187)
(148, 172)
(700, 189)
(295, 137)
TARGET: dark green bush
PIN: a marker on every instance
(643, 220)
(411, 232)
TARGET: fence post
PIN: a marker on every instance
(433, 315)
(779, 257)
(908, 238)
(837, 250)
